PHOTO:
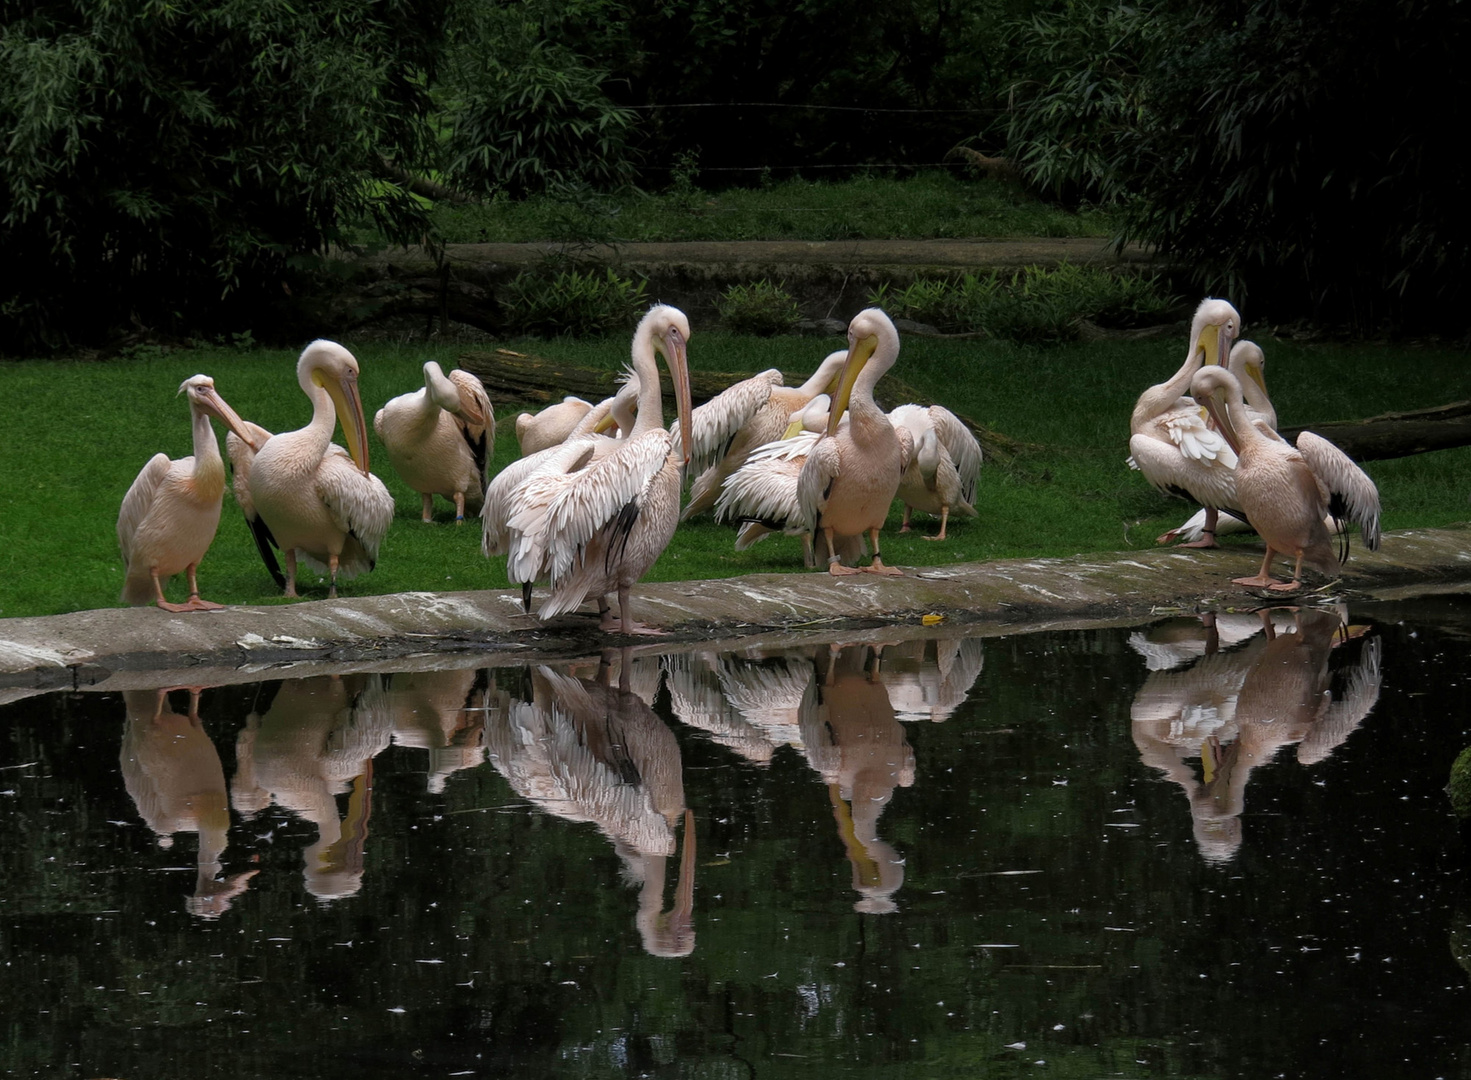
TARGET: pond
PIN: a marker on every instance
(1196, 848)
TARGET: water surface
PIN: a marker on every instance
(1171, 850)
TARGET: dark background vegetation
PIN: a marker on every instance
(182, 167)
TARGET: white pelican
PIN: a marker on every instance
(1284, 491)
(169, 516)
(440, 439)
(304, 494)
(851, 475)
(762, 493)
(942, 473)
(1249, 365)
(597, 530)
(752, 413)
(551, 426)
(1169, 440)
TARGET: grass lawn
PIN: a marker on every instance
(932, 205)
(78, 432)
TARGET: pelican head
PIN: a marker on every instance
(330, 367)
(669, 331)
(869, 332)
(1214, 328)
(203, 397)
(1217, 389)
(1247, 358)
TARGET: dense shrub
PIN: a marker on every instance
(572, 302)
(758, 307)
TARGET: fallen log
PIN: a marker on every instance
(1396, 434)
(536, 382)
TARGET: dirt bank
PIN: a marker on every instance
(137, 646)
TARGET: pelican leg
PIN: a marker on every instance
(877, 566)
(459, 507)
(332, 575)
(195, 603)
(290, 574)
(835, 565)
(1263, 578)
(1207, 531)
(605, 615)
(625, 611)
(1295, 583)
(904, 525)
(428, 503)
(944, 518)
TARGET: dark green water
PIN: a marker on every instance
(1030, 856)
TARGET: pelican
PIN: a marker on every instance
(169, 516)
(1248, 364)
(762, 493)
(1286, 491)
(551, 426)
(851, 476)
(440, 438)
(597, 530)
(745, 416)
(1169, 440)
(942, 473)
(307, 496)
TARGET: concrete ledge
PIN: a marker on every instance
(487, 628)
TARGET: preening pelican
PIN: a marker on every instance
(440, 438)
(1286, 491)
(597, 530)
(169, 516)
(762, 493)
(304, 494)
(551, 426)
(942, 473)
(851, 475)
(1169, 440)
(750, 414)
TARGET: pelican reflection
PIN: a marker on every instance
(858, 747)
(317, 740)
(929, 678)
(435, 711)
(173, 773)
(592, 750)
(1234, 710)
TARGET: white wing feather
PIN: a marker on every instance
(716, 422)
(359, 503)
(1349, 493)
(138, 501)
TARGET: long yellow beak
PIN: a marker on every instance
(212, 403)
(349, 405)
(859, 353)
(675, 356)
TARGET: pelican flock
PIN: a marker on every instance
(596, 497)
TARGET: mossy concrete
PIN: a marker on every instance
(138, 646)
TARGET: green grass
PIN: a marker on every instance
(933, 205)
(78, 432)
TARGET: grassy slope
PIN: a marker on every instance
(78, 432)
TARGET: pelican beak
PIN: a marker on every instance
(1222, 418)
(859, 352)
(605, 425)
(349, 405)
(1209, 342)
(212, 403)
(1258, 376)
(674, 355)
(792, 429)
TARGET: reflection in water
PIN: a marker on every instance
(316, 741)
(174, 775)
(858, 747)
(430, 710)
(587, 750)
(1235, 710)
(929, 678)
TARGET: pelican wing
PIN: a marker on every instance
(475, 419)
(1210, 482)
(242, 457)
(714, 424)
(963, 447)
(358, 502)
(1348, 492)
(764, 489)
(814, 484)
(138, 501)
(567, 457)
(555, 515)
